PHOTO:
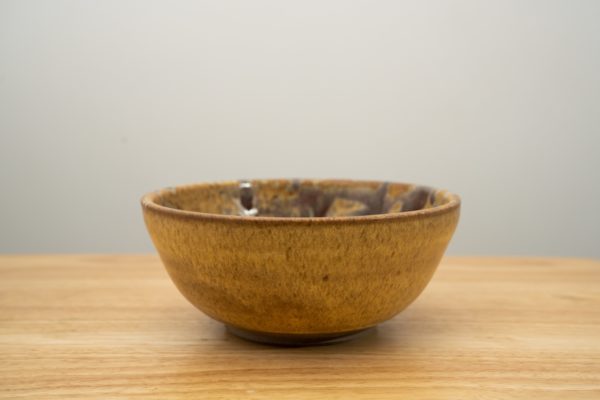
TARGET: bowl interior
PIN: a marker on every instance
(301, 198)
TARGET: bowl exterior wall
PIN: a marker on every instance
(301, 278)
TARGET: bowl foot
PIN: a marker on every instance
(297, 340)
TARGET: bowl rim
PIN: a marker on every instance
(148, 202)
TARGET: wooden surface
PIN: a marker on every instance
(115, 327)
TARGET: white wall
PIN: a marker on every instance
(101, 101)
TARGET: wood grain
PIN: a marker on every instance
(85, 326)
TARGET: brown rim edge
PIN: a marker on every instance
(148, 202)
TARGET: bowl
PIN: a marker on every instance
(298, 262)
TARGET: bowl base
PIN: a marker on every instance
(297, 340)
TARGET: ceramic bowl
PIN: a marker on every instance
(301, 261)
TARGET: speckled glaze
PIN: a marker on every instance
(301, 261)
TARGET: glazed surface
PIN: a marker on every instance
(314, 276)
(302, 198)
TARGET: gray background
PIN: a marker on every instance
(103, 101)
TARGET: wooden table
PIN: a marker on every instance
(86, 326)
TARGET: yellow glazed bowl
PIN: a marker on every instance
(301, 261)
